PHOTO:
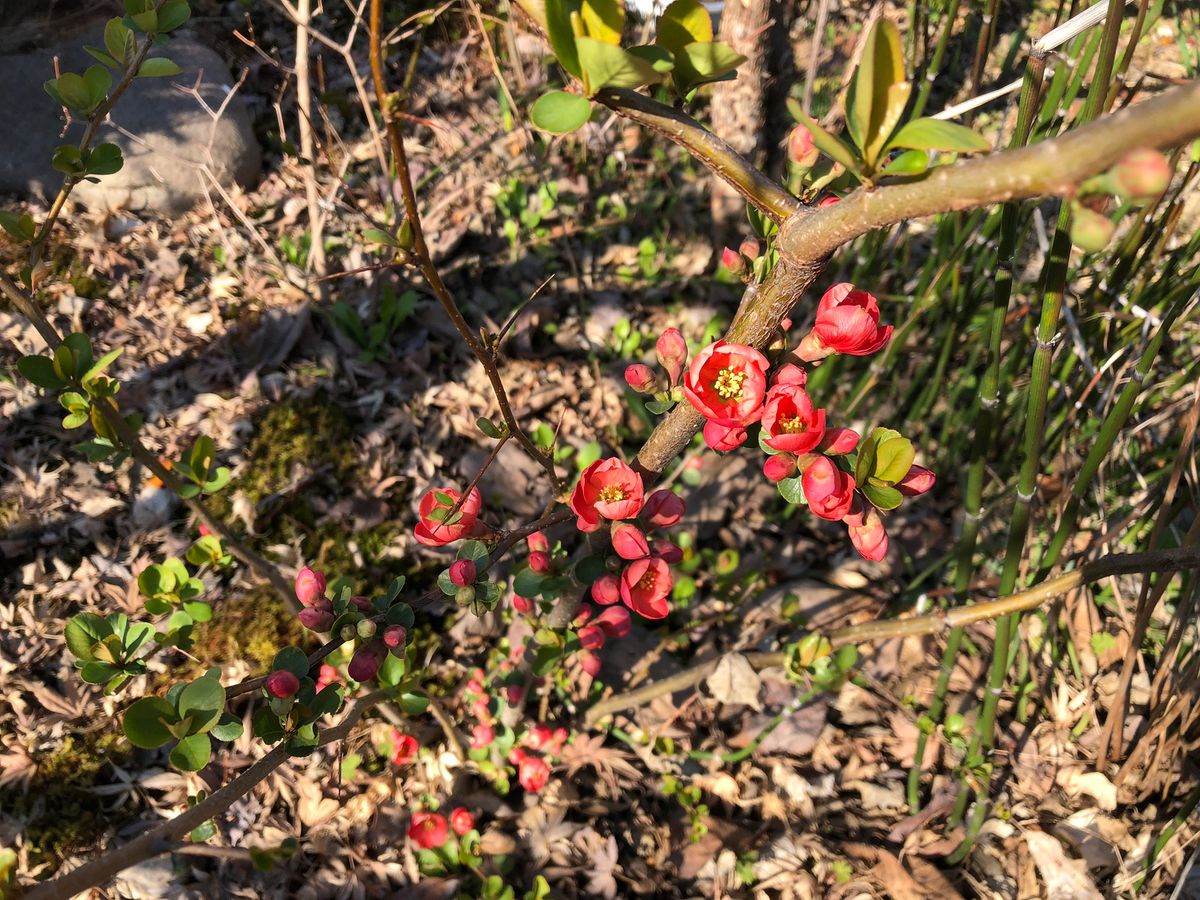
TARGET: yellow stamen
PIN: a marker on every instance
(792, 426)
(646, 582)
(611, 493)
(729, 384)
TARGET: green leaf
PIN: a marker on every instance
(119, 41)
(413, 704)
(100, 56)
(99, 672)
(894, 456)
(198, 611)
(19, 226)
(303, 741)
(603, 20)
(790, 489)
(604, 66)
(379, 236)
(203, 700)
(704, 62)
(84, 631)
(107, 359)
(329, 700)
(545, 659)
(98, 80)
(229, 728)
(192, 753)
(558, 113)
(105, 159)
(66, 159)
(157, 67)
(907, 164)
(145, 722)
(936, 134)
(661, 60)
(879, 91)
(40, 371)
(833, 147)
(72, 91)
(172, 14)
(291, 659)
(476, 551)
(882, 496)
(561, 32)
(217, 479)
(528, 583)
(136, 635)
(683, 22)
(267, 726)
(401, 614)
(146, 21)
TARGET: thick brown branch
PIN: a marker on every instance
(934, 623)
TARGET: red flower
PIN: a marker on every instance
(482, 735)
(533, 773)
(645, 584)
(310, 586)
(615, 621)
(437, 527)
(538, 542)
(641, 378)
(607, 488)
(591, 637)
(847, 322)
(790, 420)
(838, 441)
(540, 562)
(629, 542)
(723, 438)
(732, 260)
(463, 572)
(916, 482)
(867, 533)
(726, 384)
(590, 662)
(428, 830)
(828, 490)
(779, 467)
(672, 352)
(282, 684)
(326, 676)
(664, 509)
(522, 605)
(461, 821)
(404, 748)
(606, 590)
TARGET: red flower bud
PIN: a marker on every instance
(514, 693)
(668, 551)
(463, 572)
(916, 482)
(538, 542)
(590, 662)
(641, 378)
(366, 661)
(838, 441)
(615, 621)
(363, 605)
(828, 490)
(428, 830)
(672, 352)
(522, 605)
(282, 684)
(750, 248)
(1141, 175)
(461, 821)
(606, 590)
(779, 467)
(540, 562)
(664, 509)
(866, 530)
(585, 613)
(732, 260)
(482, 735)
(847, 322)
(533, 773)
(591, 637)
(628, 541)
(395, 636)
(316, 619)
(310, 586)
(801, 150)
(723, 438)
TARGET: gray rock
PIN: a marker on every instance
(175, 136)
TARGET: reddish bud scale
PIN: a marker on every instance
(282, 684)
(641, 378)
(463, 572)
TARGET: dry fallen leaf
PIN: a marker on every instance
(1094, 784)
(1065, 879)
(735, 681)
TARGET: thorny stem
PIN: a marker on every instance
(933, 623)
(425, 260)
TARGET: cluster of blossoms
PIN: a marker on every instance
(610, 490)
(431, 830)
(442, 523)
(539, 744)
(355, 617)
(733, 387)
(402, 748)
(528, 756)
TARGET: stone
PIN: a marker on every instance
(174, 135)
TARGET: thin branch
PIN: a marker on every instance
(934, 623)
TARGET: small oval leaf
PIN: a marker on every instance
(560, 113)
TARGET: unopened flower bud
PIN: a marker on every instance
(1141, 175)
(365, 628)
(779, 467)
(514, 693)
(672, 352)
(838, 441)
(348, 633)
(395, 636)
(628, 541)
(590, 662)
(641, 378)
(668, 551)
(463, 572)
(750, 249)
(664, 509)
(606, 590)
(538, 542)
(523, 605)
(732, 260)
(591, 637)
(801, 150)
(1090, 231)
(366, 661)
(362, 604)
(282, 684)
(540, 562)
(465, 595)
(316, 619)
(310, 586)
(829, 200)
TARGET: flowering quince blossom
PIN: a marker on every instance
(437, 527)
(916, 482)
(614, 621)
(672, 352)
(867, 533)
(428, 830)
(664, 509)
(609, 489)
(629, 542)
(779, 467)
(847, 322)
(641, 378)
(461, 821)
(792, 423)
(482, 735)
(606, 589)
(326, 676)
(310, 586)
(404, 748)
(726, 384)
(463, 572)
(645, 585)
(828, 490)
(523, 605)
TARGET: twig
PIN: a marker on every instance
(932, 623)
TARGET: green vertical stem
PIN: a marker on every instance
(1054, 288)
(939, 52)
(986, 416)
